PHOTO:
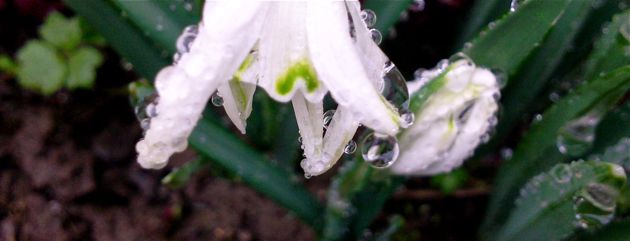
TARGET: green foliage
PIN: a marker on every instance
(62, 32)
(568, 197)
(616, 231)
(450, 182)
(40, 68)
(57, 60)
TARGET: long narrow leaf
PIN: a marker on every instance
(506, 45)
(480, 15)
(548, 206)
(387, 12)
(538, 149)
(121, 35)
(616, 231)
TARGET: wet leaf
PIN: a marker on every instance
(538, 149)
(566, 198)
(387, 12)
(618, 230)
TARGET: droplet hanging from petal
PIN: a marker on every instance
(379, 150)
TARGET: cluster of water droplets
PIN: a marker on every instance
(184, 41)
(145, 109)
(369, 19)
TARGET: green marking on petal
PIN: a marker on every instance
(301, 70)
(238, 91)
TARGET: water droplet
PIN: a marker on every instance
(369, 17)
(328, 116)
(159, 27)
(145, 124)
(418, 5)
(515, 4)
(185, 40)
(576, 137)
(188, 6)
(350, 148)
(300, 140)
(554, 97)
(595, 205)
(394, 86)
(145, 108)
(538, 118)
(379, 150)
(307, 176)
(376, 36)
(624, 29)
(561, 173)
(407, 118)
(216, 99)
(506, 153)
(502, 77)
(492, 25)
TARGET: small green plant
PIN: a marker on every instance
(65, 56)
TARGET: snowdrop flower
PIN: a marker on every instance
(296, 51)
(455, 107)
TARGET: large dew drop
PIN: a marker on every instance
(328, 116)
(369, 17)
(576, 137)
(595, 205)
(216, 99)
(379, 150)
(394, 87)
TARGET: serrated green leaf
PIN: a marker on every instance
(40, 67)
(82, 66)
(123, 36)
(538, 151)
(227, 151)
(60, 31)
(510, 40)
(546, 210)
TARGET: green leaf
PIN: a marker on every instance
(60, 31)
(450, 182)
(510, 41)
(396, 222)
(227, 151)
(480, 15)
(161, 21)
(610, 50)
(7, 65)
(612, 129)
(82, 66)
(40, 67)
(181, 175)
(123, 36)
(533, 75)
(616, 231)
(355, 198)
(553, 204)
(387, 12)
(538, 149)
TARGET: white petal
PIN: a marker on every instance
(340, 68)
(451, 123)
(309, 117)
(284, 58)
(238, 93)
(185, 88)
(340, 131)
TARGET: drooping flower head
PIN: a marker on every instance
(455, 107)
(296, 51)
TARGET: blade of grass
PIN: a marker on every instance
(537, 150)
(545, 210)
(125, 38)
(481, 13)
(161, 21)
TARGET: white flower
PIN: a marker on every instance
(455, 107)
(297, 51)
